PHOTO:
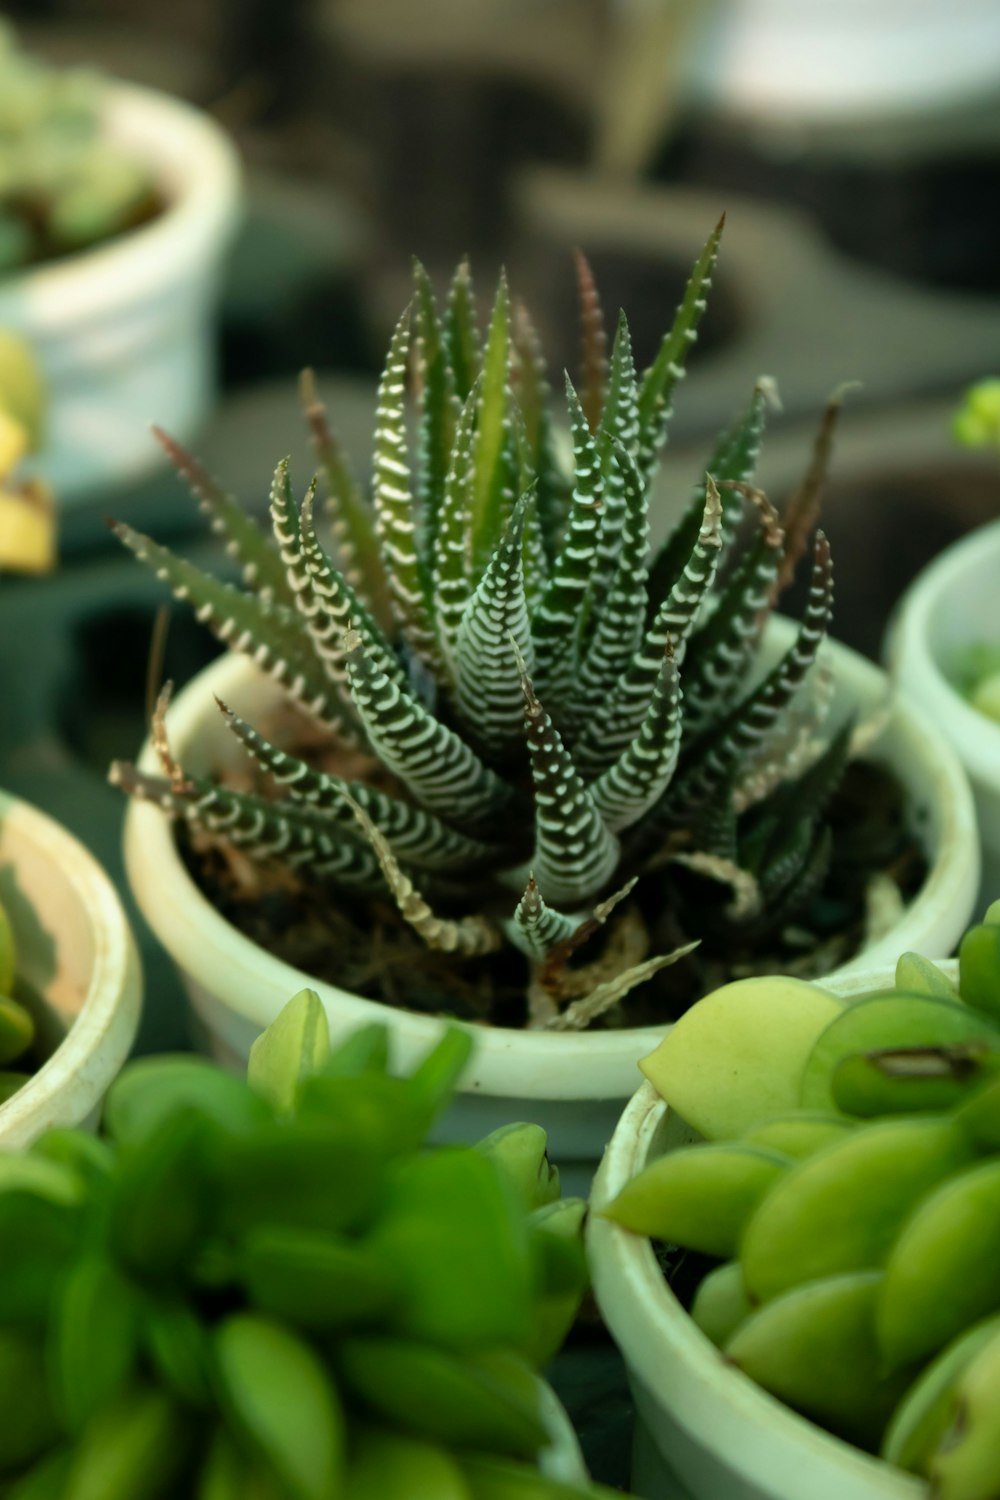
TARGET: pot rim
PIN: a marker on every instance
(73, 1079)
(678, 1365)
(914, 664)
(591, 1065)
(198, 171)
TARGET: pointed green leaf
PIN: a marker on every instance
(262, 569)
(351, 518)
(438, 411)
(641, 774)
(575, 854)
(269, 633)
(441, 771)
(554, 622)
(667, 370)
(493, 482)
(263, 829)
(415, 836)
(593, 344)
(460, 333)
(489, 690)
(395, 507)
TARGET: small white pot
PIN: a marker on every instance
(574, 1084)
(953, 604)
(76, 954)
(704, 1430)
(124, 332)
(792, 63)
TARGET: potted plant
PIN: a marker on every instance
(519, 648)
(117, 205)
(250, 1286)
(943, 645)
(70, 966)
(833, 1218)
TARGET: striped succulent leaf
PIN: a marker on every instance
(733, 461)
(640, 776)
(330, 607)
(575, 853)
(615, 722)
(470, 936)
(725, 744)
(618, 427)
(660, 381)
(531, 692)
(489, 694)
(437, 766)
(453, 554)
(536, 927)
(460, 332)
(439, 409)
(536, 443)
(396, 517)
(554, 622)
(593, 344)
(261, 566)
(414, 835)
(351, 521)
(494, 471)
(265, 830)
(619, 622)
(271, 634)
(720, 652)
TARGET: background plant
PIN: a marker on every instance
(977, 425)
(17, 1028)
(541, 708)
(276, 1289)
(63, 184)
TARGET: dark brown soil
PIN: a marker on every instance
(364, 946)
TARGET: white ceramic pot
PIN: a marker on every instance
(124, 332)
(791, 62)
(704, 1430)
(76, 954)
(573, 1084)
(953, 604)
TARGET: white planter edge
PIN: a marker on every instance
(95, 997)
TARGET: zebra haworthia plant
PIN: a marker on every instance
(549, 710)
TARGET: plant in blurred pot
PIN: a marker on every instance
(275, 1287)
(27, 522)
(842, 1214)
(977, 667)
(523, 712)
(17, 1027)
(64, 186)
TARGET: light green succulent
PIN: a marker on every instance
(549, 709)
(63, 184)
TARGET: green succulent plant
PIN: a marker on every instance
(17, 1027)
(248, 1287)
(63, 184)
(546, 710)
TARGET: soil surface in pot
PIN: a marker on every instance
(45, 250)
(364, 946)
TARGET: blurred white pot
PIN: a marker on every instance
(574, 1084)
(802, 61)
(124, 333)
(705, 1430)
(78, 960)
(950, 606)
